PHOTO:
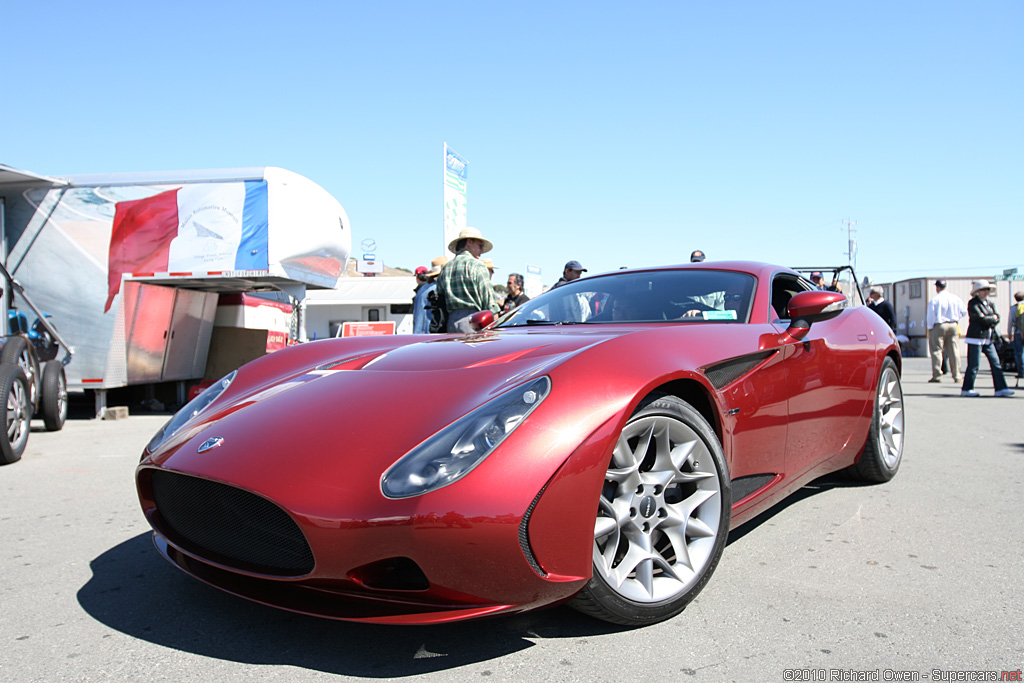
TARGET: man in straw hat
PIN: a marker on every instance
(464, 286)
(426, 283)
(981, 339)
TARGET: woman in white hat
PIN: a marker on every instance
(980, 339)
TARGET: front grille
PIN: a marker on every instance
(228, 525)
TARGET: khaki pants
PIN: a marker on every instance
(945, 336)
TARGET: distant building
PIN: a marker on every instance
(386, 297)
(910, 300)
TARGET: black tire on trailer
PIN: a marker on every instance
(18, 412)
(18, 351)
(53, 396)
(13, 346)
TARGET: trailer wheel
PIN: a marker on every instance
(53, 396)
(18, 413)
(19, 352)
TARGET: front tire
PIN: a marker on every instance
(883, 452)
(19, 352)
(14, 396)
(663, 517)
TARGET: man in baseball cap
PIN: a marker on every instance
(572, 271)
(697, 256)
(818, 280)
(425, 284)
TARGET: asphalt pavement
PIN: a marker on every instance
(917, 579)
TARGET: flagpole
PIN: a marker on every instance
(444, 169)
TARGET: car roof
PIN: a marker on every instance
(756, 268)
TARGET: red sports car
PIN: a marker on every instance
(594, 446)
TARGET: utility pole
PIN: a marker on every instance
(851, 253)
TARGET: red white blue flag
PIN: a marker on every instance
(200, 228)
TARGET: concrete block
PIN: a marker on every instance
(114, 413)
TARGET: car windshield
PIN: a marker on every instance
(678, 296)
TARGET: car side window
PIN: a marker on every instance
(784, 288)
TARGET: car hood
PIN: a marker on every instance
(332, 419)
(486, 348)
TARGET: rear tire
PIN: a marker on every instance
(14, 395)
(883, 452)
(663, 517)
(53, 399)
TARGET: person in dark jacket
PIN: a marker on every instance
(573, 271)
(516, 296)
(882, 307)
(818, 280)
(1017, 332)
(980, 339)
(427, 282)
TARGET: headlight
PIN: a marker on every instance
(191, 409)
(454, 451)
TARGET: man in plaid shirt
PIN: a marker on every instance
(464, 285)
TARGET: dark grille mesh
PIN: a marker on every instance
(724, 373)
(744, 486)
(229, 525)
(524, 537)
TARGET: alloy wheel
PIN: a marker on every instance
(659, 511)
(18, 413)
(890, 417)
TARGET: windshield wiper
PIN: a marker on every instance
(529, 323)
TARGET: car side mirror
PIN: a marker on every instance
(481, 319)
(811, 307)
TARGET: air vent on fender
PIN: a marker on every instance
(725, 373)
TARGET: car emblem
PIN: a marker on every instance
(211, 443)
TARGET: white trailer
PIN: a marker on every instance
(131, 265)
(359, 299)
(910, 299)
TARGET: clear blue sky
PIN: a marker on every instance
(616, 134)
